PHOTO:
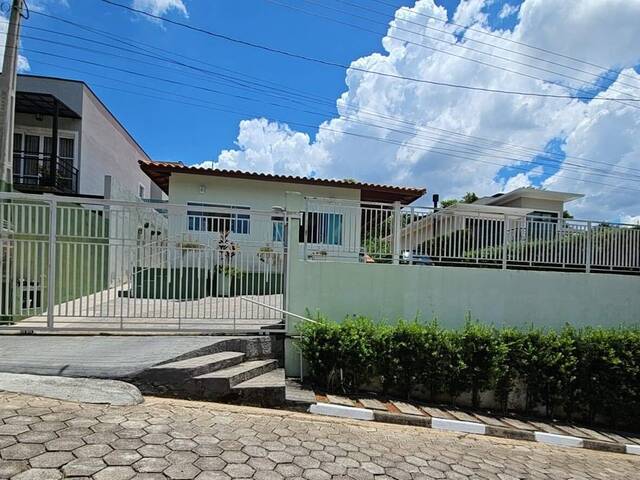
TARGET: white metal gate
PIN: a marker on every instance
(100, 265)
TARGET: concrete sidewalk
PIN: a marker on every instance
(95, 356)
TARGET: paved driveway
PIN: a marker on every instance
(41, 438)
(89, 356)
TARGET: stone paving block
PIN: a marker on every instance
(83, 467)
(462, 416)
(39, 474)
(10, 468)
(488, 420)
(122, 457)
(183, 471)
(373, 404)
(569, 430)
(407, 408)
(594, 435)
(51, 459)
(339, 400)
(436, 412)
(21, 451)
(546, 427)
(517, 423)
(115, 473)
(151, 465)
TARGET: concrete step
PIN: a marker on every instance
(183, 370)
(266, 390)
(218, 384)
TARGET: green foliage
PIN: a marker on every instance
(592, 373)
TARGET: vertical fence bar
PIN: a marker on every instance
(51, 264)
(588, 249)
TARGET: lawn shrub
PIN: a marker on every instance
(591, 373)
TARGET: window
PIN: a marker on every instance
(277, 229)
(219, 221)
(140, 190)
(324, 228)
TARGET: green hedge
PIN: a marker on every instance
(591, 373)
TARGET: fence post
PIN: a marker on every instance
(588, 248)
(505, 231)
(51, 263)
(397, 226)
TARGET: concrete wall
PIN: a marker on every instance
(498, 297)
(106, 149)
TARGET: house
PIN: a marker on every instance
(245, 205)
(521, 214)
(90, 144)
(539, 203)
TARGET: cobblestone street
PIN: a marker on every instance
(49, 439)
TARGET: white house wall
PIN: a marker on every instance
(106, 149)
(259, 196)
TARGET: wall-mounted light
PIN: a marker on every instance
(203, 188)
(39, 117)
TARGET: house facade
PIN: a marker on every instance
(90, 143)
(247, 207)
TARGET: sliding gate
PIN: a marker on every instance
(101, 265)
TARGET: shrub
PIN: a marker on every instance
(593, 372)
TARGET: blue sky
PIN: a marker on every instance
(604, 34)
(197, 134)
(176, 132)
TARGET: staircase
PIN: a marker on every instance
(243, 370)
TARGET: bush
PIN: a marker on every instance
(593, 373)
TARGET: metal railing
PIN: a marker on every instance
(96, 264)
(44, 172)
(470, 236)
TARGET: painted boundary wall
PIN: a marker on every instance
(387, 293)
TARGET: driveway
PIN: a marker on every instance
(94, 356)
(42, 438)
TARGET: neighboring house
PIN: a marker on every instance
(524, 213)
(539, 203)
(90, 143)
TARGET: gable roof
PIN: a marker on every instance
(160, 172)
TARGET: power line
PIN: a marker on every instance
(598, 75)
(510, 40)
(363, 70)
(420, 147)
(565, 163)
(467, 148)
(445, 52)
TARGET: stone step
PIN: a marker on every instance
(183, 370)
(266, 390)
(217, 384)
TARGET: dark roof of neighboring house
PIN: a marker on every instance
(43, 103)
(84, 84)
(160, 172)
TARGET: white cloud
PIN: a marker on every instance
(507, 10)
(601, 31)
(23, 62)
(42, 5)
(160, 7)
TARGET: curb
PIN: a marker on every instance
(475, 428)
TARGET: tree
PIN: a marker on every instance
(469, 197)
(566, 214)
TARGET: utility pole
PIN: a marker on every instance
(8, 80)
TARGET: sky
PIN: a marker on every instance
(189, 96)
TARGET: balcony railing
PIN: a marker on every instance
(44, 173)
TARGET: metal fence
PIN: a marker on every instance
(84, 263)
(392, 233)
